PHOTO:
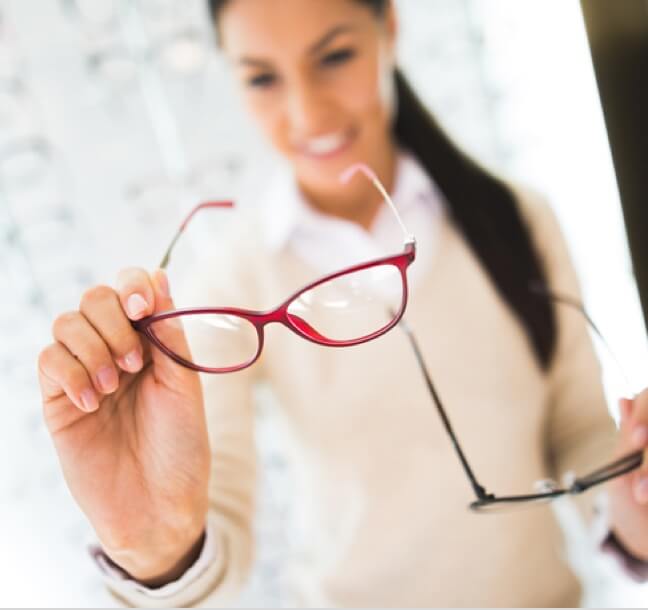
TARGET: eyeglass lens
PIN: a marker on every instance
(345, 308)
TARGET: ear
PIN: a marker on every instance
(391, 27)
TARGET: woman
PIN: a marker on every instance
(162, 461)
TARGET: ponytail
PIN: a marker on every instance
(485, 211)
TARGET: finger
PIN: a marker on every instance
(137, 297)
(640, 481)
(635, 413)
(625, 408)
(81, 339)
(625, 416)
(102, 308)
(169, 332)
(136, 293)
(640, 488)
(631, 439)
(638, 421)
(59, 372)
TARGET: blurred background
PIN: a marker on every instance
(117, 115)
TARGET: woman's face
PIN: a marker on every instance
(317, 76)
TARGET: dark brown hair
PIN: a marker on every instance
(482, 207)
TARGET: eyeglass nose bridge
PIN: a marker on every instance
(291, 321)
(281, 316)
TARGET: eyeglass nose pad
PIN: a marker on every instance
(545, 486)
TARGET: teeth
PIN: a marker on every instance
(325, 144)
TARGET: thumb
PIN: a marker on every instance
(625, 410)
(633, 433)
(170, 333)
(625, 419)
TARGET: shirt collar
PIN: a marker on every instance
(286, 211)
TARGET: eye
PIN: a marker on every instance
(338, 57)
(262, 80)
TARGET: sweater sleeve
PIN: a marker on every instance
(222, 570)
(580, 433)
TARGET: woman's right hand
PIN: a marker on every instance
(129, 427)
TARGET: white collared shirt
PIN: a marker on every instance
(329, 243)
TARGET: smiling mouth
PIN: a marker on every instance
(327, 146)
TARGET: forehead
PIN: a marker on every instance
(276, 28)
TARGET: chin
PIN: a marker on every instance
(324, 176)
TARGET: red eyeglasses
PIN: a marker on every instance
(345, 308)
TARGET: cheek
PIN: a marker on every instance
(265, 108)
(363, 96)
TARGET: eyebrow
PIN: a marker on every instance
(312, 50)
(328, 37)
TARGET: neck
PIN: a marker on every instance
(358, 201)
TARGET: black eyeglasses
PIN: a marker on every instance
(548, 490)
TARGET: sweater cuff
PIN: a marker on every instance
(608, 543)
(634, 568)
(196, 582)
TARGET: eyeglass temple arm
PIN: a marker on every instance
(626, 463)
(350, 171)
(622, 466)
(541, 289)
(344, 177)
(479, 490)
(185, 222)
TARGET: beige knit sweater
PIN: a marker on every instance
(382, 498)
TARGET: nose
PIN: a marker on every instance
(307, 109)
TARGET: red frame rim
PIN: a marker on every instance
(259, 319)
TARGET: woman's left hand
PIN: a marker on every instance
(629, 494)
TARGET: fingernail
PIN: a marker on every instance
(625, 405)
(640, 436)
(133, 361)
(163, 283)
(89, 400)
(136, 305)
(641, 490)
(108, 380)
